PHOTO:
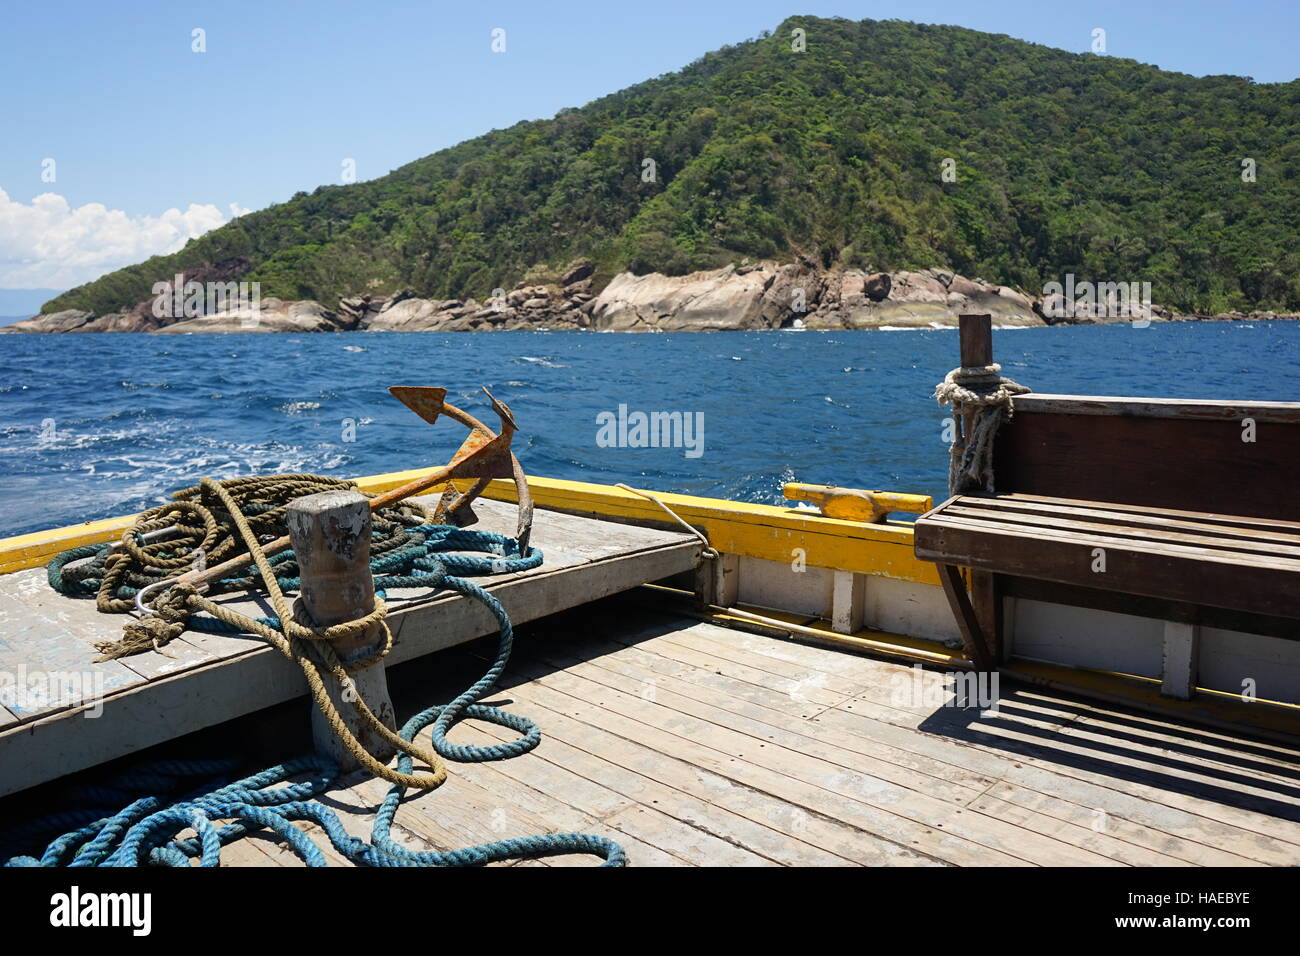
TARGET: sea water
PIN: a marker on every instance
(98, 425)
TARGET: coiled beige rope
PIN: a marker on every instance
(981, 390)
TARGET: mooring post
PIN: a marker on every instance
(330, 532)
(976, 334)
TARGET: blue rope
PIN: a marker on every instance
(147, 830)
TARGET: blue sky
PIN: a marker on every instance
(170, 142)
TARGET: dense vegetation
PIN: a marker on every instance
(1103, 167)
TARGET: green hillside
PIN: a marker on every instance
(1106, 168)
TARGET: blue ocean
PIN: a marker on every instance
(98, 425)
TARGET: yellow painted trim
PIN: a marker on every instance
(856, 504)
(885, 643)
(753, 530)
(30, 550)
(771, 532)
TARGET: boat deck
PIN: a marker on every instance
(694, 745)
(200, 680)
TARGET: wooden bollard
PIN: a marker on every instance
(330, 532)
(975, 333)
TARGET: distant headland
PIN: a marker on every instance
(749, 296)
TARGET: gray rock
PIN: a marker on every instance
(706, 301)
(273, 315)
(69, 320)
(917, 287)
(409, 315)
(963, 286)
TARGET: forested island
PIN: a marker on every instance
(821, 157)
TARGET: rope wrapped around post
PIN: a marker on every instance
(409, 551)
(981, 401)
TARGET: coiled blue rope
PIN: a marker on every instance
(147, 830)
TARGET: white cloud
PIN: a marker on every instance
(48, 244)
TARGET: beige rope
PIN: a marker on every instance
(297, 642)
(983, 391)
(708, 550)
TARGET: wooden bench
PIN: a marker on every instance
(1183, 511)
(1232, 563)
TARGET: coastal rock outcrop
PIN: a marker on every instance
(724, 298)
(768, 296)
(272, 315)
(69, 320)
(751, 295)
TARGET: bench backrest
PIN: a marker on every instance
(1163, 453)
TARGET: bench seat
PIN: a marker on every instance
(1245, 564)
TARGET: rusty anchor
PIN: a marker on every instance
(483, 455)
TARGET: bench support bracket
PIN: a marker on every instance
(972, 633)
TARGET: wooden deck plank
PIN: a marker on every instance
(48, 670)
(691, 744)
(459, 814)
(851, 751)
(355, 805)
(769, 747)
(477, 805)
(1197, 778)
(31, 592)
(1247, 776)
(881, 825)
(930, 775)
(247, 851)
(904, 756)
(799, 698)
(1134, 793)
(814, 667)
(1272, 765)
(1275, 762)
(562, 796)
(940, 752)
(666, 743)
(1184, 828)
(652, 788)
(1178, 835)
(1115, 803)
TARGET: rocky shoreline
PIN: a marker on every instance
(762, 295)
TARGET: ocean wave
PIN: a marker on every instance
(297, 408)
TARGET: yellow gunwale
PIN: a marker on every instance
(771, 532)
